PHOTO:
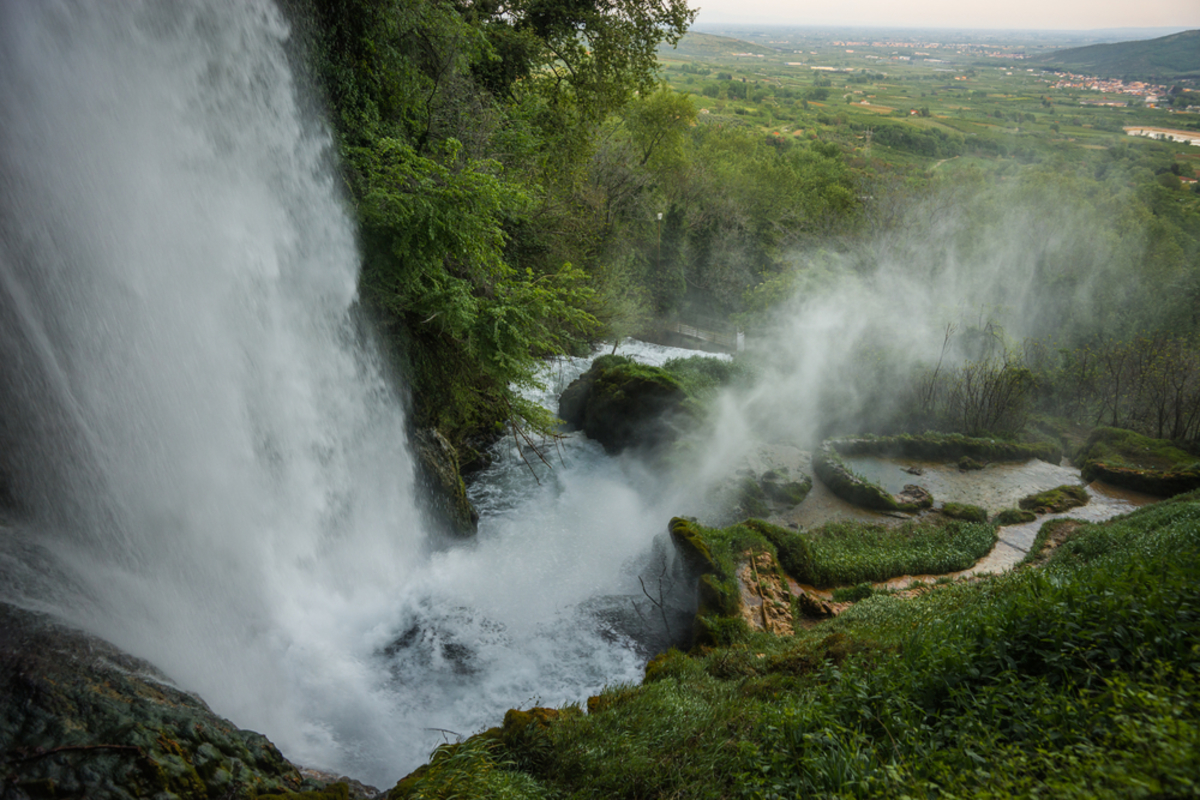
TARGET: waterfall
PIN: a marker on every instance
(212, 460)
(199, 458)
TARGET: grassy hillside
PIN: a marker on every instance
(1166, 58)
(1074, 679)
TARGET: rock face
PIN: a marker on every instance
(623, 404)
(446, 502)
(766, 603)
(79, 718)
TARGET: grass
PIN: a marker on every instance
(846, 553)
(1078, 679)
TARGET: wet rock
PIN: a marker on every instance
(634, 406)
(625, 405)
(78, 717)
(446, 494)
(812, 606)
(572, 403)
(784, 492)
(765, 598)
(913, 495)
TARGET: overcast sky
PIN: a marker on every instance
(1015, 14)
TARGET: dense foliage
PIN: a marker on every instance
(524, 186)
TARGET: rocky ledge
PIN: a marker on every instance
(80, 718)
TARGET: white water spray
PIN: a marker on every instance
(207, 466)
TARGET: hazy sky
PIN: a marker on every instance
(1018, 14)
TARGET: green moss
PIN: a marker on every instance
(839, 479)
(964, 511)
(948, 447)
(1014, 516)
(688, 538)
(751, 498)
(968, 464)
(1130, 460)
(789, 493)
(1056, 500)
(791, 548)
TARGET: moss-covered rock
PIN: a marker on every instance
(1132, 461)
(634, 406)
(781, 489)
(80, 718)
(572, 403)
(445, 493)
(1056, 500)
(837, 476)
(624, 404)
(688, 539)
(965, 511)
(714, 557)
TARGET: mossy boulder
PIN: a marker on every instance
(1056, 500)
(713, 556)
(1132, 461)
(626, 405)
(634, 406)
(688, 537)
(445, 495)
(572, 403)
(782, 489)
(80, 718)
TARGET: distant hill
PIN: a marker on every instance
(706, 45)
(1166, 58)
